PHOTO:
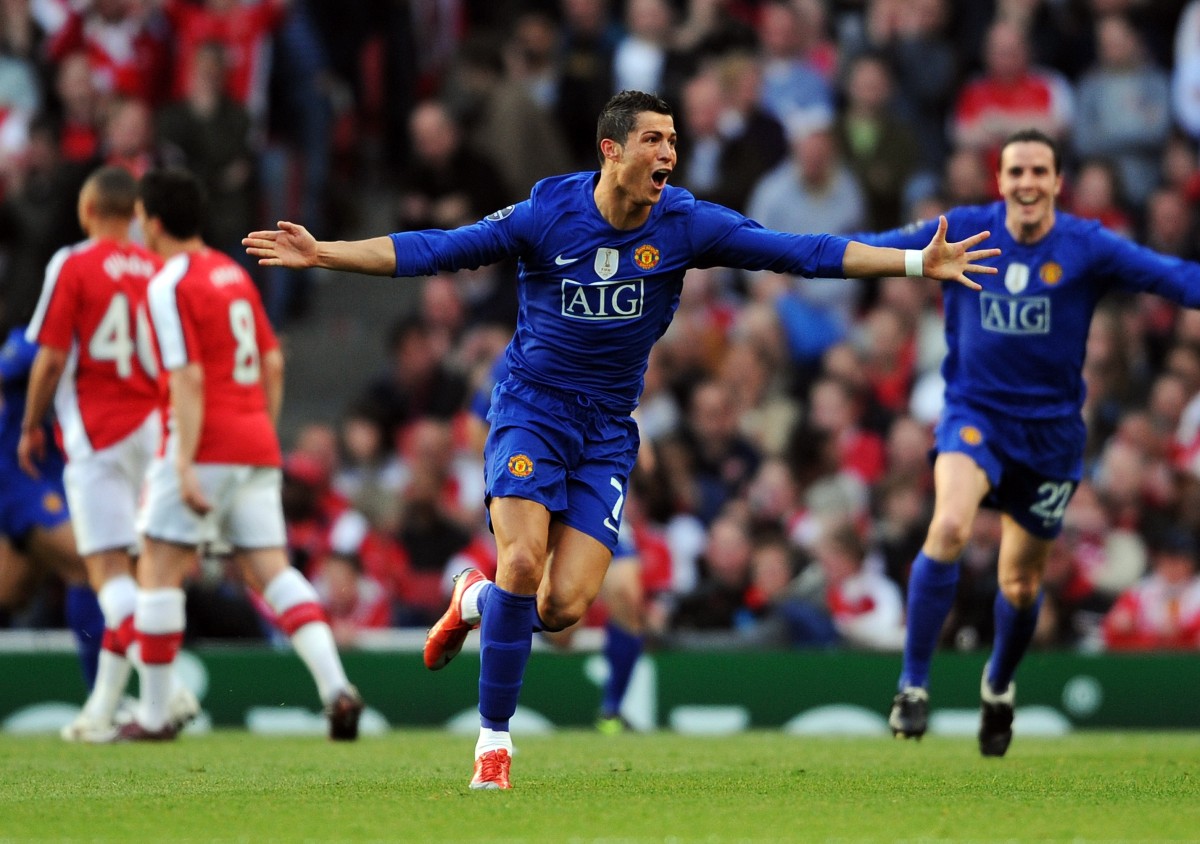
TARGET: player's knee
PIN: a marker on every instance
(1021, 592)
(949, 533)
(522, 567)
(559, 614)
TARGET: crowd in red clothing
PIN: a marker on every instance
(782, 412)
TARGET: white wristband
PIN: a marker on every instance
(914, 263)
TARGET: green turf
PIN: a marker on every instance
(577, 786)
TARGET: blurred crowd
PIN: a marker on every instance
(786, 485)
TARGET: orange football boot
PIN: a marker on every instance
(491, 770)
(445, 639)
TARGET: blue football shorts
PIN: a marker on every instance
(1008, 450)
(27, 503)
(563, 451)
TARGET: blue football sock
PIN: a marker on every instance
(505, 638)
(87, 623)
(621, 649)
(1014, 632)
(931, 590)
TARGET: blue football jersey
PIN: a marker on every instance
(16, 360)
(1017, 346)
(594, 299)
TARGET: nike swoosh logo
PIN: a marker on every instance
(562, 262)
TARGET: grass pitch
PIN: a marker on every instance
(578, 786)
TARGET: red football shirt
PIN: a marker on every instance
(207, 311)
(93, 305)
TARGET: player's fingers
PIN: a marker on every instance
(289, 228)
(974, 239)
(966, 282)
(941, 229)
(980, 268)
(979, 254)
(269, 237)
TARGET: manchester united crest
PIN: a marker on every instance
(1051, 273)
(52, 502)
(646, 257)
(520, 466)
(970, 435)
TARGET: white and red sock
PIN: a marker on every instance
(301, 617)
(117, 598)
(159, 624)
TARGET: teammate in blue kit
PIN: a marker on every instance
(33, 511)
(601, 264)
(1011, 436)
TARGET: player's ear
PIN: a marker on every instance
(611, 149)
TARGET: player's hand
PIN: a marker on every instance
(190, 490)
(952, 261)
(31, 450)
(289, 246)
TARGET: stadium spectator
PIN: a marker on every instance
(1097, 194)
(866, 607)
(244, 29)
(765, 411)
(709, 462)
(1170, 224)
(218, 475)
(353, 600)
(811, 191)
(369, 475)
(209, 133)
(878, 145)
(127, 45)
(731, 142)
(644, 59)
(1185, 78)
(128, 138)
(1010, 95)
(503, 120)
(445, 183)
(835, 410)
(792, 83)
(718, 603)
(418, 384)
(1124, 110)
(588, 35)
(912, 38)
(38, 214)
(80, 105)
(1162, 611)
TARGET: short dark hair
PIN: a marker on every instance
(116, 191)
(620, 114)
(177, 199)
(1033, 136)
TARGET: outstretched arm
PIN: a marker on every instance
(292, 246)
(939, 259)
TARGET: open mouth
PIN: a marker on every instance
(659, 177)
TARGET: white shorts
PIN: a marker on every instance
(246, 508)
(104, 489)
